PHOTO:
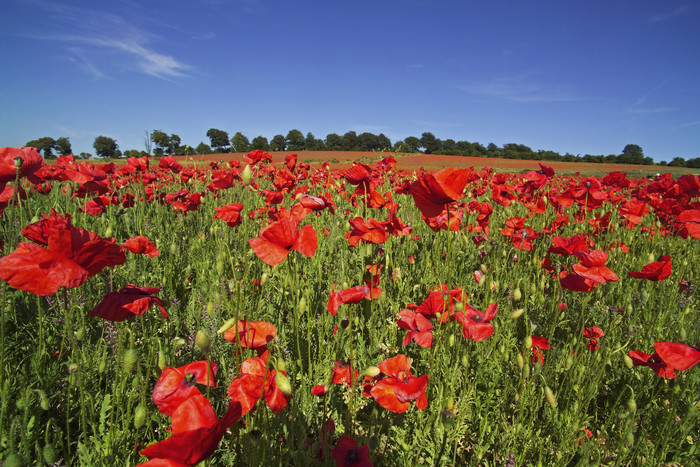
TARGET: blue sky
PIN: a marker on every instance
(578, 77)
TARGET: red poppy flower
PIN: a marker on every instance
(358, 174)
(655, 362)
(593, 334)
(348, 296)
(418, 326)
(40, 231)
(279, 238)
(196, 432)
(341, 373)
(347, 454)
(568, 246)
(633, 211)
(175, 385)
(678, 356)
(369, 231)
(256, 382)
(141, 245)
(30, 158)
(475, 324)
(592, 266)
(539, 343)
(577, 283)
(127, 302)
(72, 256)
(440, 301)
(257, 155)
(230, 213)
(395, 391)
(432, 191)
(169, 163)
(251, 334)
(656, 271)
(319, 390)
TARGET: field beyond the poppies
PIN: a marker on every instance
(261, 311)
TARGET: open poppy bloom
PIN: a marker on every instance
(475, 324)
(440, 301)
(539, 343)
(399, 387)
(593, 334)
(570, 245)
(347, 454)
(127, 302)
(348, 296)
(369, 231)
(592, 266)
(669, 356)
(257, 382)
(656, 271)
(251, 334)
(418, 326)
(72, 256)
(230, 213)
(30, 161)
(277, 239)
(141, 245)
(342, 373)
(175, 385)
(196, 432)
(432, 191)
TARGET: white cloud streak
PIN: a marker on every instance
(520, 89)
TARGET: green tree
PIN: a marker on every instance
(260, 142)
(295, 140)
(350, 141)
(106, 147)
(413, 143)
(677, 162)
(162, 142)
(367, 142)
(63, 146)
(44, 145)
(631, 154)
(430, 143)
(278, 143)
(311, 143)
(334, 142)
(693, 163)
(240, 142)
(203, 148)
(219, 139)
(383, 142)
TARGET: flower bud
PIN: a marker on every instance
(131, 360)
(263, 278)
(465, 360)
(632, 405)
(371, 371)
(517, 294)
(226, 326)
(247, 175)
(108, 232)
(43, 400)
(49, 454)
(210, 309)
(302, 305)
(178, 343)
(528, 342)
(629, 438)
(203, 341)
(161, 360)
(549, 395)
(520, 360)
(517, 313)
(283, 383)
(451, 340)
(139, 416)
(80, 333)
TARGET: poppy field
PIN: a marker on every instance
(260, 313)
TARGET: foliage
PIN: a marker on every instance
(106, 147)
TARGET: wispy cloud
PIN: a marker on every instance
(697, 123)
(98, 41)
(520, 88)
(668, 14)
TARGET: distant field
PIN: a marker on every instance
(341, 159)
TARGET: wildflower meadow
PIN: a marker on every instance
(158, 312)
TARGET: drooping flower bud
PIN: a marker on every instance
(283, 383)
(247, 175)
(203, 341)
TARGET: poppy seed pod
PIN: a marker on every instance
(283, 383)
(517, 313)
(203, 341)
(131, 359)
(371, 371)
(49, 454)
(139, 416)
(161, 360)
(517, 294)
(549, 395)
(632, 405)
(528, 342)
(247, 175)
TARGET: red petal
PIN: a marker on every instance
(677, 355)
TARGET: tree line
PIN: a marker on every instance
(160, 143)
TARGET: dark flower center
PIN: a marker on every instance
(352, 456)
